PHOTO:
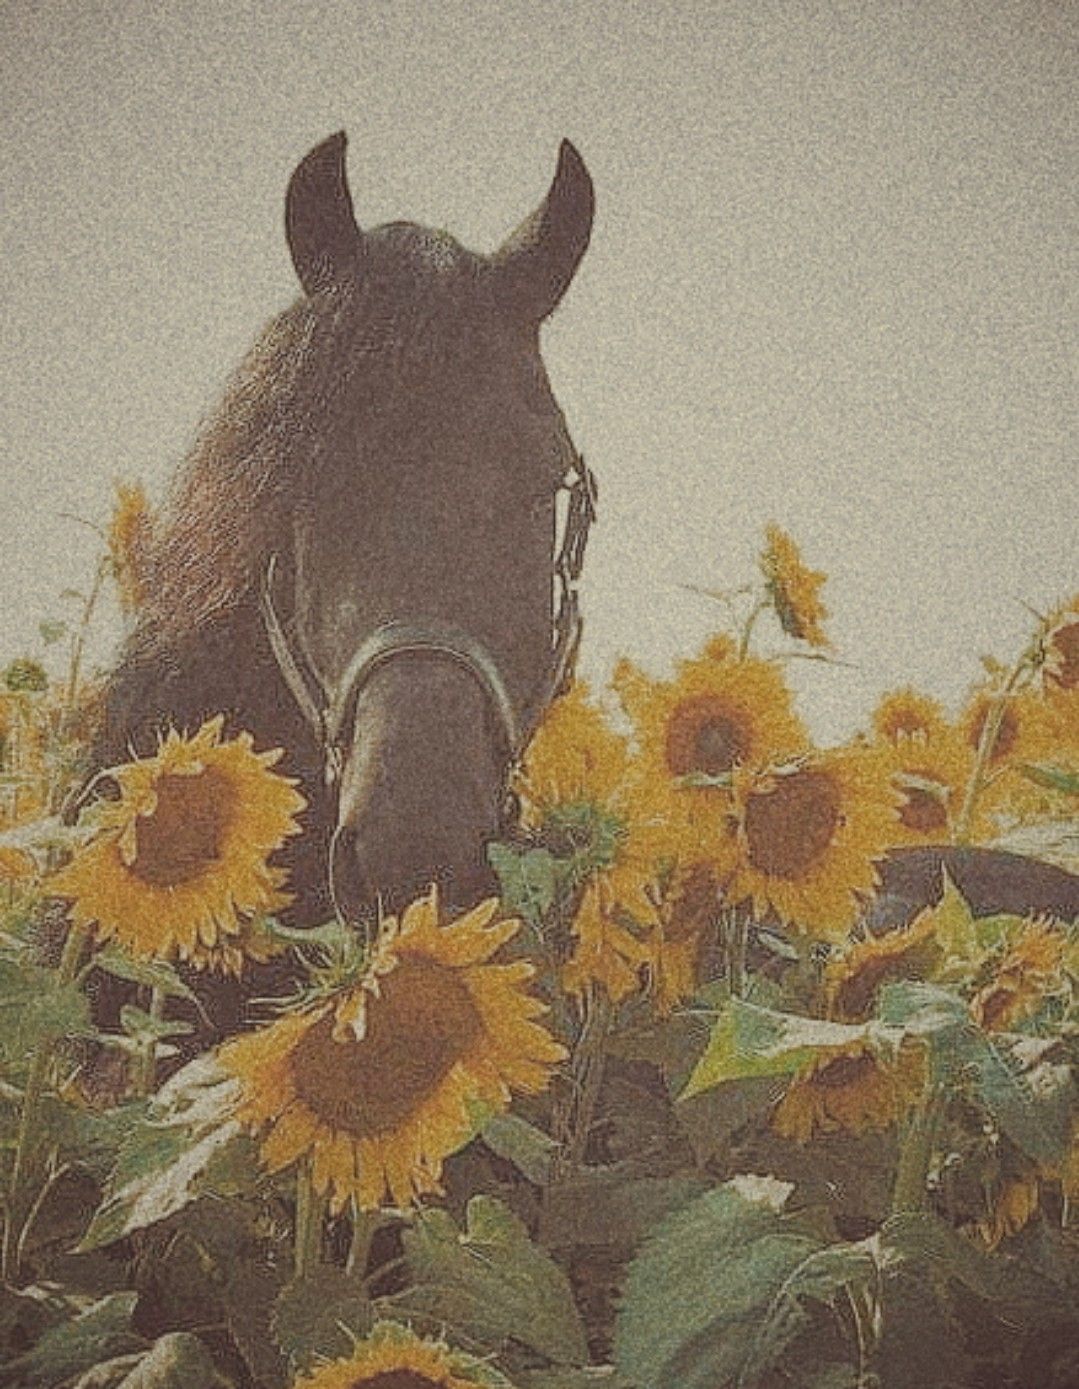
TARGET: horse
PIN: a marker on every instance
(359, 560)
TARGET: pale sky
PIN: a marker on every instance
(832, 281)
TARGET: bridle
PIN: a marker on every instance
(331, 714)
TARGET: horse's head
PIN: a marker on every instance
(420, 582)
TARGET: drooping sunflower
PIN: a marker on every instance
(906, 715)
(854, 978)
(809, 833)
(1025, 975)
(930, 767)
(380, 1082)
(1027, 733)
(688, 913)
(129, 537)
(179, 864)
(717, 715)
(793, 588)
(1061, 668)
(852, 1088)
(393, 1357)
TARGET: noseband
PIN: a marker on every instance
(331, 716)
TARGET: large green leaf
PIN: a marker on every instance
(529, 1149)
(36, 1009)
(530, 880)
(718, 1294)
(188, 1146)
(320, 1314)
(610, 1207)
(489, 1285)
(748, 1040)
(101, 1331)
(178, 1360)
(1052, 776)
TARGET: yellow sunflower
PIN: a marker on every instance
(1027, 731)
(393, 1357)
(717, 715)
(906, 715)
(930, 772)
(129, 537)
(1026, 974)
(793, 588)
(1061, 668)
(853, 979)
(380, 1083)
(853, 1089)
(1050, 737)
(1010, 1205)
(809, 834)
(180, 861)
(688, 913)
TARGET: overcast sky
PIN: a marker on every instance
(832, 280)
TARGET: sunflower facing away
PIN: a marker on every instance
(793, 588)
(179, 867)
(851, 1088)
(1026, 974)
(381, 1082)
(808, 835)
(393, 1357)
(854, 979)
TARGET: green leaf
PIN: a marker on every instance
(606, 1208)
(490, 1284)
(718, 1294)
(141, 1025)
(187, 1147)
(748, 1040)
(954, 927)
(1052, 776)
(176, 1361)
(52, 630)
(36, 1009)
(314, 1315)
(530, 881)
(529, 1149)
(101, 1331)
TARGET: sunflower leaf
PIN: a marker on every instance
(187, 1146)
(529, 1149)
(748, 1040)
(718, 1295)
(154, 974)
(530, 881)
(1052, 776)
(67, 1349)
(490, 1285)
(319, 1314)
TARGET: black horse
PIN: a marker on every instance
(359, 560)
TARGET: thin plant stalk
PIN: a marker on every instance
(762, 605)
(310, 1219)
(917, 1145)
(146, 1072)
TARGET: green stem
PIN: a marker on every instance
(146, 1070)
(18, 1205)
(737, 933)
(364, 1225)
(71, 693)
(310, 1217)
(751, 621)
(586, 1077)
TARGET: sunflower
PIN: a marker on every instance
(606, 951)
(808, 835)
(1010, 1206)
(853, 979)
(1050, 737)
(908, 715)
(1061, 668)
(793, 588)
(180, 861)
(688, 916)
(1025, 975)
(717, 715)
(851, 1088)
(930, 770)
(129, 537)
(380, 1082)
(393, 1357)
(16, 865)
(1027, 731)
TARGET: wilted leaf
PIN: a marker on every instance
(314, 1315)
(490, 1285)
(186, 1147)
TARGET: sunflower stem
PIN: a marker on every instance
(310, 1217)
(364, 1226)
(18, 1207)
(917, 1145)
(586, 1079)
(146, 1070)
(761, 605)
(737, 934)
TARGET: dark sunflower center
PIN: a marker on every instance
(696, 906)
(789, 828)
(419, 1026)
(705, 735)
(396, 1379)
(1007, 733)
(1065, 642)
(183, 836)
(843, 1071)
(922, 811)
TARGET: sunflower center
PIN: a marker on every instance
(844, 1071)
(1065, 641)
(789, 828)
(421, 1024)
(922, 811)
(703, 735)
(183, 836)
(396, 1379)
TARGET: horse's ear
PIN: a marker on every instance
(323, 237)
(532, 270)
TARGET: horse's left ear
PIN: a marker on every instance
(533, 269)
(323, 236)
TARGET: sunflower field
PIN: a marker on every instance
(680, 1108)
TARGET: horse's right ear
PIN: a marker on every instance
(323, 237)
